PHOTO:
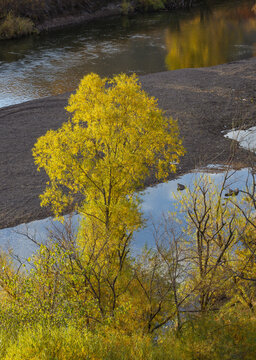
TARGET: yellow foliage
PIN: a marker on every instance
(199, 42)
(115, 136)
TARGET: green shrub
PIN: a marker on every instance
(15, 26)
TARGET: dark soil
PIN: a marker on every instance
(58, 22)
(206, 102)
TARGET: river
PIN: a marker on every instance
(53, 63)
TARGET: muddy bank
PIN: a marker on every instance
(205, 101)
(112, 9)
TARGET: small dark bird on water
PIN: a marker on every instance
(181, 187)
(232, 192)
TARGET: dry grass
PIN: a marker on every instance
(39, 10)
(16, 26)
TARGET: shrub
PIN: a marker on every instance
(148, 5)
(15, 26)
(47, 343)
(127, 7)
(222, 336)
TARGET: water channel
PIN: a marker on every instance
(156, 203)
(54, 63)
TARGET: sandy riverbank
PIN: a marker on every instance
(205, 101)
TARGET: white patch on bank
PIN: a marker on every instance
(246, 138)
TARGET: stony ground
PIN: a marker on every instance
(206, 102)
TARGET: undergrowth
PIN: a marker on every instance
(219, 337)
(15, 26)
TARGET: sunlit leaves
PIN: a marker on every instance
(115, 136)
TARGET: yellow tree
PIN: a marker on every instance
(115, 138)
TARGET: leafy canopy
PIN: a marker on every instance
(114, 138)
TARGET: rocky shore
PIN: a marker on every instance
(206, 101)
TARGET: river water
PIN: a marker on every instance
(54, 63)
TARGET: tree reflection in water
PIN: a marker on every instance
(211, 37)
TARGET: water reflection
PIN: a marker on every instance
(212, 36)
(54, 63)
(156, 201)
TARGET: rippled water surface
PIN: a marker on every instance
(54, 63)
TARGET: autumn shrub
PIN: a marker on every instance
(15, 26)
(127, 7)
(47, 342)
(221, 336)
(147, 5)
(154, 5)
(39, 10)
(8, 335)
(229, 334)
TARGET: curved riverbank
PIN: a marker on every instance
(115, 8)
(206, 102)
(112, 9)
(24, 18)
